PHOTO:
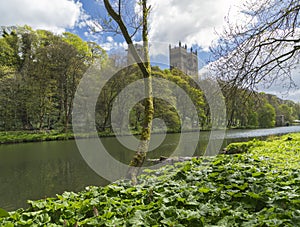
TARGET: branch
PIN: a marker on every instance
(265, 49)
(118, 19)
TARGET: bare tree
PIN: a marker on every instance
(264, 49)
(119, 24)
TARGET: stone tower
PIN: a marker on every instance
(184, 60)
(140, 50)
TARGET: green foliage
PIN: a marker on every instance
(286, 111)
(39, 74)
(33, 136)
(252, 119)
(81, 46)
(251, 109)
(191, 88)
(3, 213)
(266, 116)
(257, 188)
(39, 136)
(164, 110)
(241, 147)
(40, 71)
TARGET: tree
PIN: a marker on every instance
(266, 116)
(41, 82)
(7, 82)
(73, 59)
(184, 82)
(287, 112)
(144, 65)
(263, 49)
(39, 73)
(252, 119)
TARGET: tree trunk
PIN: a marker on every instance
(145, 67)
(143, 147)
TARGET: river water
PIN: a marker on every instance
(31, 171)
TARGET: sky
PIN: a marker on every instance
(193, 22)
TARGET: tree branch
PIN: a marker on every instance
(118, 19)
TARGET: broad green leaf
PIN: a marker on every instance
(3, 213)
(204, 190)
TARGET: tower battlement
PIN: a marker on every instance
(184, 59)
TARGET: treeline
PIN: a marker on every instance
(40, 72)
(247, 109)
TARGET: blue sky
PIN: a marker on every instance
(193, 22)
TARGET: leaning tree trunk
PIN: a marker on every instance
(145, 67)
(143, 146)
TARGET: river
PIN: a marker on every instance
(31, 171)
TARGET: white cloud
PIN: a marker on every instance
(54, 15)
(192, 22)
(110, 39)
(112, 46)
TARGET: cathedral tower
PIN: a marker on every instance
(184, 60)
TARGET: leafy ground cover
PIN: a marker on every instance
(260, 187)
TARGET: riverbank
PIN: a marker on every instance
(40, 136)
(259, 187)
(11, 137)
(32, 136)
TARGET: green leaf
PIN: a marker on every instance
(204, 190)
(3, 213)
(258, 174)
(8, 225)
(253, 195)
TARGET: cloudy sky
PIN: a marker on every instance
(193, 22)
(55, 15)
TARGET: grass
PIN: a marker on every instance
(9, 137)
(32, 136)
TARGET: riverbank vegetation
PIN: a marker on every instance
(258, 187)
(40, 71)
(40, 136)
(32, 136)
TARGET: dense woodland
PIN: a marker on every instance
(40, 71)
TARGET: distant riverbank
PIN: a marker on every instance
(10, 137)
(40, 136)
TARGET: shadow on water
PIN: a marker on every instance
(38, 170)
